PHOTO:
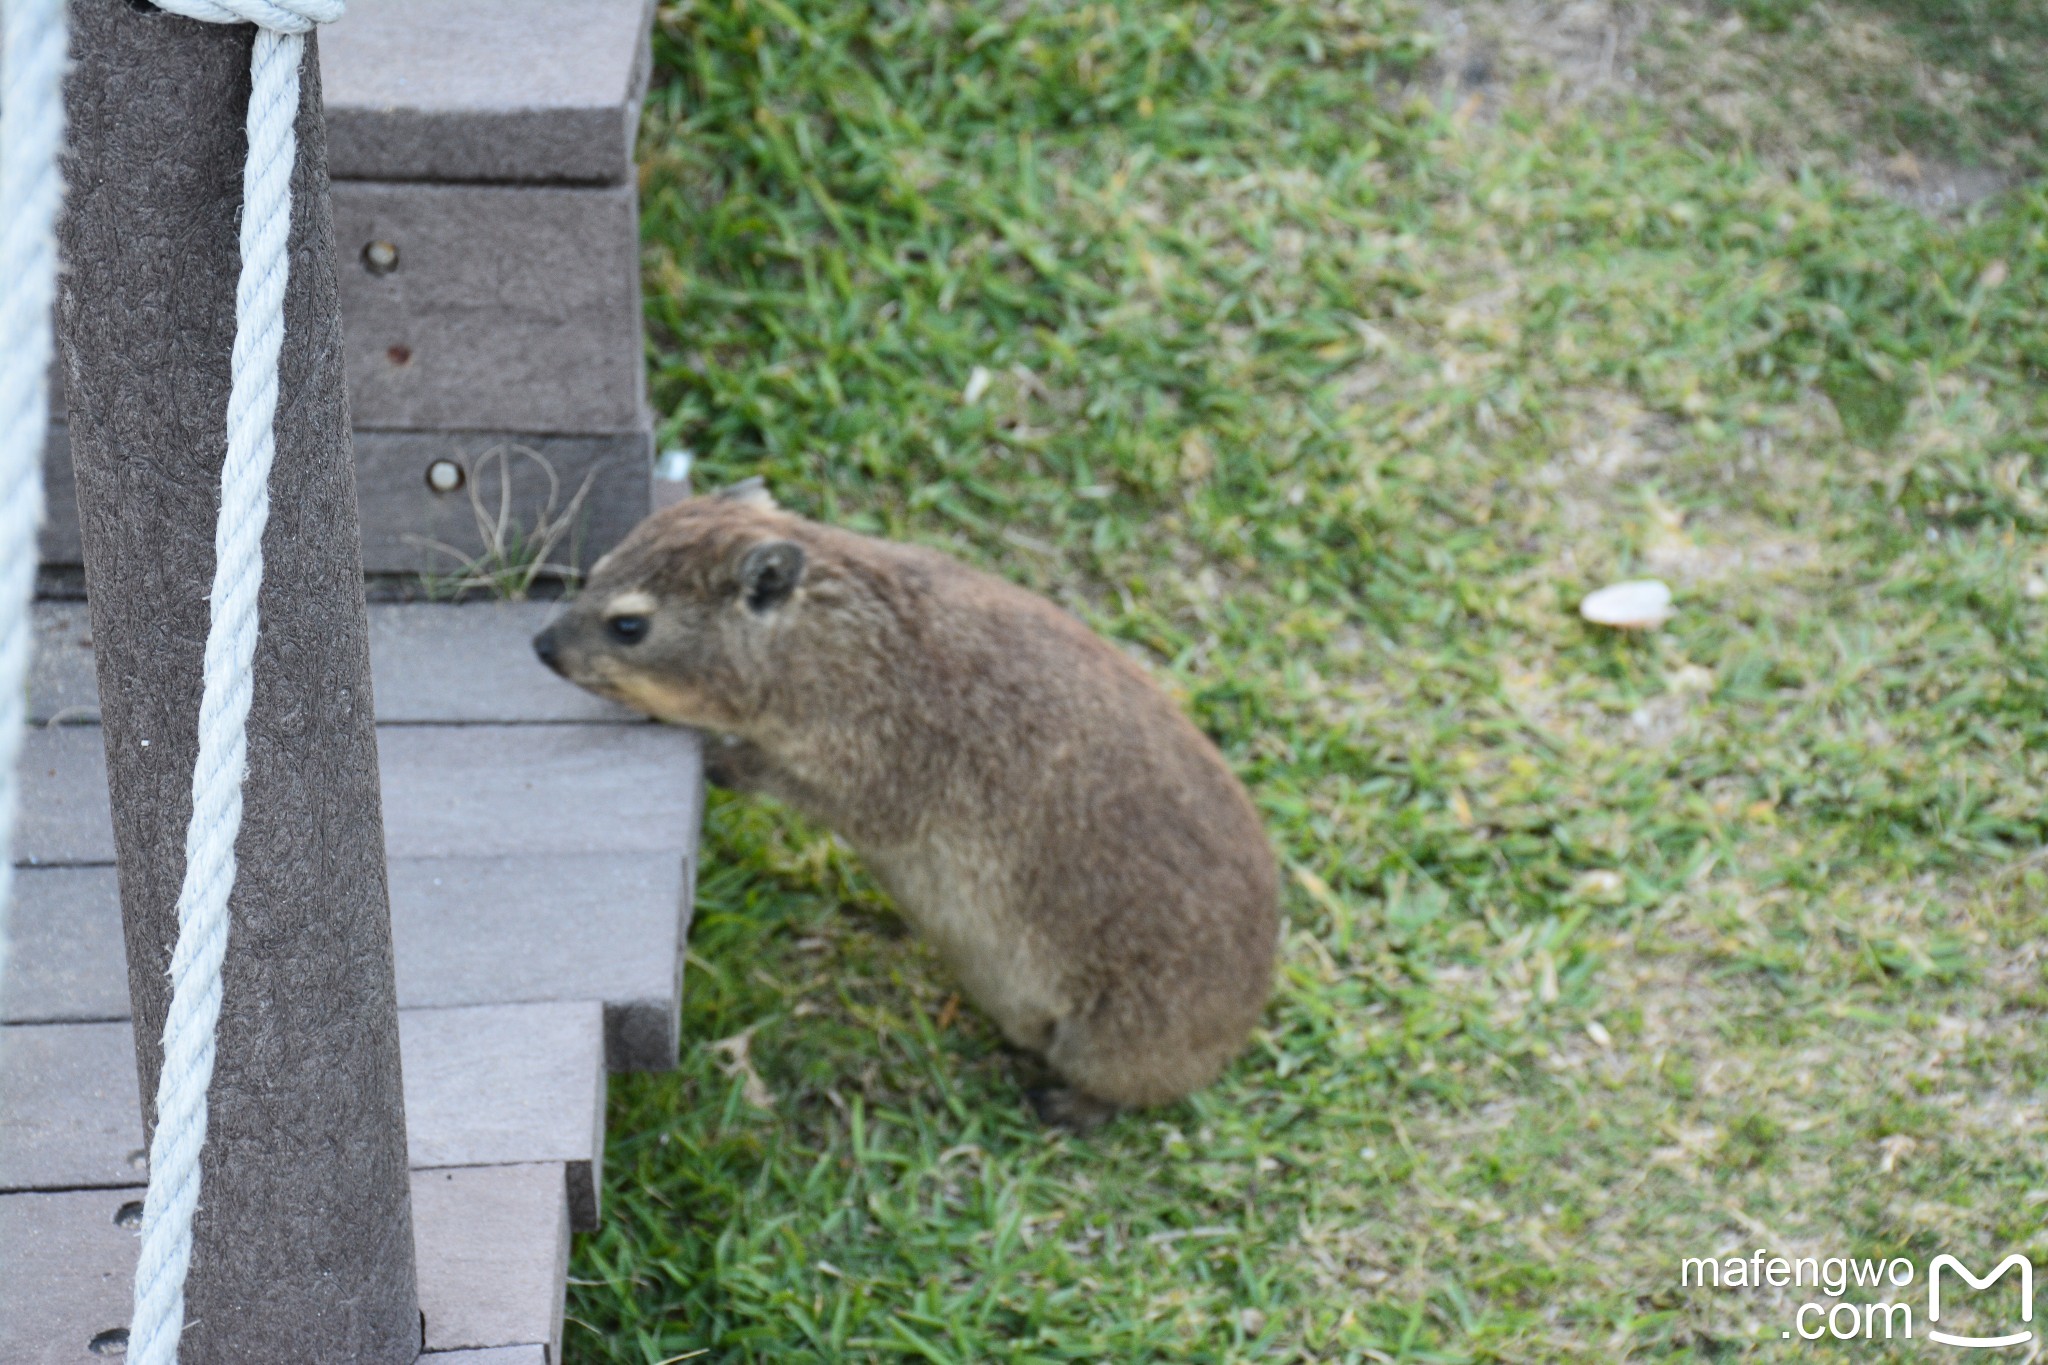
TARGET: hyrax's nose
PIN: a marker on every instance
(544, 646)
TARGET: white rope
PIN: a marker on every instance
(31, 128)
(226, 686)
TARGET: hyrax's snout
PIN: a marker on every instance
(548, 649)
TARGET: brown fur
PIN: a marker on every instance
(1078, 852)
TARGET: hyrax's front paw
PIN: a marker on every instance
(1076, 1111)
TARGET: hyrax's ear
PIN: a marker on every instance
(770, 572)
(749, 493)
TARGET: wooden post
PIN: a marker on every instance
(304, 1245)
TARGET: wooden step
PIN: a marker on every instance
(61, 683)
(70, 1273)
(447, 665)
(431, 663)
(406, 523)
(449, 792)
(500, 1084)
(484, 1085)
(487, 265)
(478, 921)
(467, 931)
(64, 819)
(500, 790)
(504, 90)
(492, 1244)
(510, 308)
(69, 1108)
(542, 849)
(67, 964)
(494, 1256)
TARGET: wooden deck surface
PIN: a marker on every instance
(542, 858)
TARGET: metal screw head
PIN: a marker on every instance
(445, 476)
(380, 258)
(129, 1215)
(113, 1342)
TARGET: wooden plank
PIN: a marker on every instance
(61, 685)
(474, 931)
(497, 1084)
(508, 308)
(468, 931)
(485, 790)
(449, 791)
(403, 519)
(410, 528)
(69, 1274)
(64, 817)
(444, 664)
(58, 541)
(70, 1108)
(493, 1255)
(432, 663)
(67, 963)
(494, 1084)
(493, 1246)
(527, 90)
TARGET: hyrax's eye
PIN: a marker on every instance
(627, 630)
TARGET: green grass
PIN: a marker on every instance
(1997, 51)
(1603, 950)
(1902, 86)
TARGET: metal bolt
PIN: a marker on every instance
(380, 258)
(445, 476)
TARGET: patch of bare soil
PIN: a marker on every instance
(1798, 98)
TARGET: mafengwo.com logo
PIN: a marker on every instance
(1914, 1306)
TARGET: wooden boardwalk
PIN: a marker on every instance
(542, 850)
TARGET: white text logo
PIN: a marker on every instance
(2026, 1269)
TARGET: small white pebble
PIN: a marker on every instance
(1600, 884)
(1639, 605)
(977, 384)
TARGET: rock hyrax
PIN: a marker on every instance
(1077, 851)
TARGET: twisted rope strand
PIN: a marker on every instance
(277, 16)
(31, 128)
(227, 686)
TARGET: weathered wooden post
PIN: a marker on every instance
(303, 1242)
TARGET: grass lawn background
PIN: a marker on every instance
(1327, 392)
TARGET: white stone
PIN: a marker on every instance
(1640, 605)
